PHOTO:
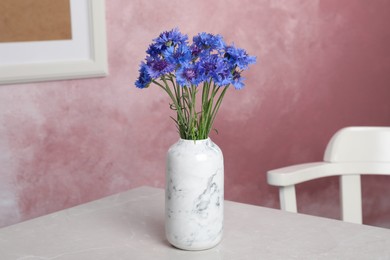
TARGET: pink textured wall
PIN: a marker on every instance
(322, 65)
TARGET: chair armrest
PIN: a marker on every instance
(295, 174)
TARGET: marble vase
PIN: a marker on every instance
(194, 194)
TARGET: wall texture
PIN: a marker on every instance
(322, 65)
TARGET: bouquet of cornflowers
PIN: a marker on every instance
(180, 68)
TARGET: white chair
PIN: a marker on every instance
(351, 152)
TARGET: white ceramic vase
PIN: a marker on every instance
(194, 194)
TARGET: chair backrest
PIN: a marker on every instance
(352, 151)
(359, 144)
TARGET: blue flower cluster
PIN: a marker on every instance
(207, 59)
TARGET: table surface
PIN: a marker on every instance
(130, 225)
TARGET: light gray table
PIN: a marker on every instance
(130, 226)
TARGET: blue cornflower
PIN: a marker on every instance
(153, 50)
(187, 75)
(170, 38)
(157, 67)
(195, 50)
(208, 41)
(207, 65)
(144, 79)
(237, 80)
(222, 75)
(179, 55)
(238, 57)
(215, 67)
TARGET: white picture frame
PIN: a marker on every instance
(84, 56)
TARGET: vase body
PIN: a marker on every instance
(194, 194)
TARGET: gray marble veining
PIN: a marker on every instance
(194, 195)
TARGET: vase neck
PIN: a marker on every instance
(195, 141)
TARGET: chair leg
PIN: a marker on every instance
(288, 201)
(351, 198)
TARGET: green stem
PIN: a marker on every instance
(191, 124)
(216, 107)
(210, 102)
(175, 102)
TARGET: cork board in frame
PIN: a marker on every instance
(83, 55)
(35, 20)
